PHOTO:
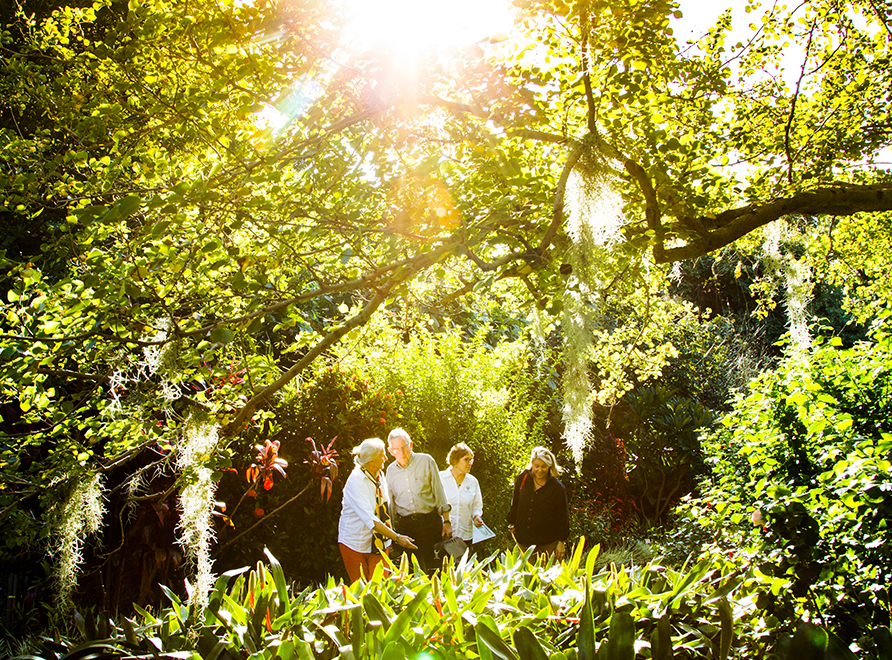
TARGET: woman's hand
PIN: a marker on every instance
(478, 521)
(406, 542)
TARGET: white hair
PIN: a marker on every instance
(367, 451)
(399, 433)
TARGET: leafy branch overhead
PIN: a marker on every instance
(159, 231)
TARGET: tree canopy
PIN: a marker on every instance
(159, 235)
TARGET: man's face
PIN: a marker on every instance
(400, 450)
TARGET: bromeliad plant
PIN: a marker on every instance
(324, 463)
(501, 608)
(323, 466)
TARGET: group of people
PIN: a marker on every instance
(413, 505)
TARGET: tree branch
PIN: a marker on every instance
(557, 213)
(735, 223)
(360, 319)
(652, 211)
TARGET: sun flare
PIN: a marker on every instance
(409, 27)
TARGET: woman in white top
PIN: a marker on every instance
(462, 492)
(364, 531)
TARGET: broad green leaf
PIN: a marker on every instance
(809, 643)
(620, 643)
(403, 620)
(221, 335)
(528, 647)
(489, 638)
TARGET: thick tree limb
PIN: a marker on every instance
(358, 320)
(557, 214)
(247, 411)
(652, 206)
(735, 223)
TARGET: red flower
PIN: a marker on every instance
(251, 493)
(258, 512)
(382, 420)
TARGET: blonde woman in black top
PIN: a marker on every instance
(539, 514)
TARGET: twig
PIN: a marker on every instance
(262, 520)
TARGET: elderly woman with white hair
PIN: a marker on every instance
(364, 532)
(539, 515)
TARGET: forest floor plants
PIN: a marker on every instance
(503, 607)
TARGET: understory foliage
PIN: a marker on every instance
(801, 488)
(503, 607)
(484, 390)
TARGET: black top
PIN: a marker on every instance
(539, 516)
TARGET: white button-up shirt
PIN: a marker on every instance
(466, 501)
(358, 511)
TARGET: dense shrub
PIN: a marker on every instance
(807, 455)
(460, 389)
(298, 515)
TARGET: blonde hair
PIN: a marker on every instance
(367, 451)
(545, 455)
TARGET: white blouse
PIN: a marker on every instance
(358, 511)
(466, 502)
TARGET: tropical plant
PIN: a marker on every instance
(504, 608)
(661, 432)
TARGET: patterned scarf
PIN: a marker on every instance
(381, 513)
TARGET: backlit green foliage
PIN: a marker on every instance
(453, 389)
(503, 608)
(808, 452)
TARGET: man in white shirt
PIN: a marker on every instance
(417, 500)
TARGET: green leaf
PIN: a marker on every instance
(727, 618)
(357, 632)
(375, 611)
(620, 644)
(128, 205)
(573, 564)
(528, 647)
(809, 643)
(221, 335)
(394, 651)
(404, 619)
(586, 635)
(278, 574)
(160, 227)
(489, 638)
(844, 424)
(883, 638)
(661, 640)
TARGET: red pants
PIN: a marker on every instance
(355, 562)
